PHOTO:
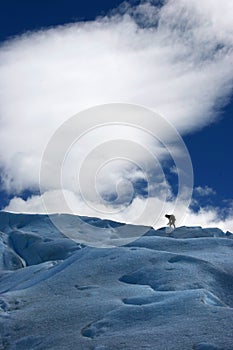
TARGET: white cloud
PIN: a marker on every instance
(204, 191)
(142, 211)
(176, 60)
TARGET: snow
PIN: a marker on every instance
(170, 291)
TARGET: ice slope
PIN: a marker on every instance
(163, 291)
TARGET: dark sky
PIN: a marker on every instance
(211, 153)
(18, 16)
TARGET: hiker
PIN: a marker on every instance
(171, 219)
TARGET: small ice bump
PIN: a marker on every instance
(3, 306)
(88, 332)
(136, 301)
(212, 300)
(206, 346)
(85, 287)
(182, 259)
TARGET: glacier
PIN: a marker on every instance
(160, 291)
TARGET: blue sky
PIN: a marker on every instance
(211, 153)
(208, 142)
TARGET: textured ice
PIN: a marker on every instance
(170, 291)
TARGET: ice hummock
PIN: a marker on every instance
(162, 291)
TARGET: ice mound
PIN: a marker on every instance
(162, 291)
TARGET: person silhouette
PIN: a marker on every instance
(171, 219)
